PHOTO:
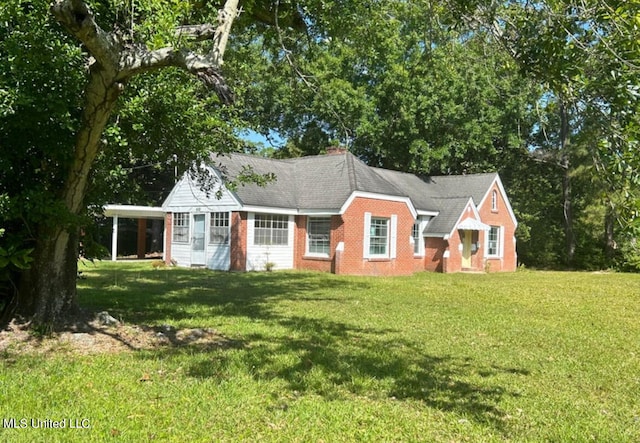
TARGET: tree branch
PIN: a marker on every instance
(124, 60)
(134, 61)
(196, 33)
(78, 19)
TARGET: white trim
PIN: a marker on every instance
(469, 205)
(269, 210)
(431, 213)
(133, 211)
(498, 182)
(422, 225)
(500, 239)
(318, 212)
(471, 224)
(114, 238)
(367, 232)
(371, 195)
(393, 237)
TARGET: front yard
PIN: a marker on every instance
(293, 356)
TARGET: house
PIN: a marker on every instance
(334, 213)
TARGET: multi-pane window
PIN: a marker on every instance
(379, 236)
(181, 227)
(271, 229)
(493, 244)
(219, 228)
(318, 233)
(494, 201)
(415, 233)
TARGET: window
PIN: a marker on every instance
(417, 238)
(181, 227)
(379, 236)
(318, 235)
(219, 228)
(493, 244)
(494, 200)
(271, 229)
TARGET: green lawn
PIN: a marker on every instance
(528, 356)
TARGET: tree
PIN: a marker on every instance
(48, 289)
(585, 54)
(402, 87)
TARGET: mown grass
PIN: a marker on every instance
(529, 356)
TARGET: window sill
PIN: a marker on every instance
(378, 259)
(316, 257)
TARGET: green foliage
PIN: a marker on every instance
(41, 79)
(401, 91)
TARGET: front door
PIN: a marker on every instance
(197, 241)
(466, 249)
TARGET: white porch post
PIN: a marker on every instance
(114, 239)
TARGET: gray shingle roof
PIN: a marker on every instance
(325, 182)
(450, 211)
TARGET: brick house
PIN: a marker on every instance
(333, 213)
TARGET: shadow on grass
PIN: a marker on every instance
(308, 354)
(336, 361)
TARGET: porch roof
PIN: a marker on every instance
(133, 211)
(471, 224)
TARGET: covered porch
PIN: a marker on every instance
(140, 213)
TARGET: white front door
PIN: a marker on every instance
(198, 240)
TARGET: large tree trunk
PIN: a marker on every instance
(48, 290)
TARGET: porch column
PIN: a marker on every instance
(114, 239)
(142, 237)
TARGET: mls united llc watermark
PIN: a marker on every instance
(39, 423)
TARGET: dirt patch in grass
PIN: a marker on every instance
(95, 335)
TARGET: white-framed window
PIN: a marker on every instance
(417, 238)
(379, 236)
(494, 241)
(271, 229)
(494, 200)
(219, 228)
(181, 227)
(318, 235)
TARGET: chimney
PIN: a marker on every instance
(336, 150)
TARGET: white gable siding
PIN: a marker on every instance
(187, 196)
(259, 255)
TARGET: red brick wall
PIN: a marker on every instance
(302, 261)
(168, 224)
(238, 241)
(352, 231)
(499, 217)
(433, 251)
